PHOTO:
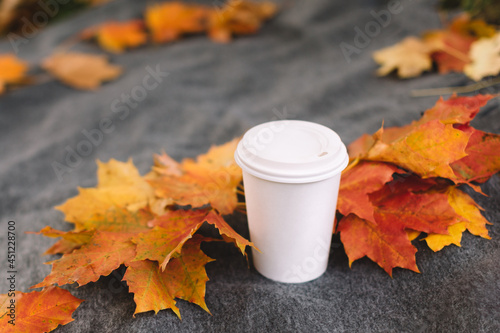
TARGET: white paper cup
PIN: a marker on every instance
(291, 175)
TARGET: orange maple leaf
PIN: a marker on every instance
(238, 17)
(451, 46)
(38, 311)
(70, 240)
(428, 150)
(170, 20)
(109, 247)
(451, 49)
(212, 179)
(12, 70)
(80, 70)
(155, 289)
(174, 228)
(117, 36)
(437, 145)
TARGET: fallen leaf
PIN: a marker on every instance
(450, 49)
(171, 230)
(455, 110)
(485, 56)
(149, 284)
(465, 206)
(357, 183)
(428, 150)
(184, 277)
(38, 311)
(212, 179)
(437, 242)
(384, 243)
(70, 240)
(12, 70)
(109, 247)
(410, 58)
(436, 149)
(482, 160)
(464, 25)
(80, 70)
(238, 17)
(472, 220)
(119, 185)
(117, 36)
(170, 20)
(427, 211)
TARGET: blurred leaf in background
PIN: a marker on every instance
(488, 10)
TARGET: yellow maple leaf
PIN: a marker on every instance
(437, 242)
(485, 56)
(119, 184)
(80, 70)
(12, 70)
(473, 221)
(116, 36)
(410, 58)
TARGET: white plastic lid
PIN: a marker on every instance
(291, 151)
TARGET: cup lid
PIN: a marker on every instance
(291, 151)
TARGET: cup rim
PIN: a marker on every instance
(266, 160)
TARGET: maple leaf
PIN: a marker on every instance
(119, 185)
(478, 164)
(69, 241)
(437, 242)
(170, 20)
(482, 160)
(428, 149)
(184, 277)
(109, 247)
(80, 70)
(410, 58)
(238, 17)
(450, 49)
(171, 231)
(384, 243)
(470, 215)
(464, 25)
(415, 205)
(38, 311)
(212, 179)
(357, 183)
(455, 110)
(485, 56)
(12, 70)
(117, 36)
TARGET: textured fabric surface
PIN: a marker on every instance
(293, 68)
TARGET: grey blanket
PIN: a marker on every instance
(295, 68)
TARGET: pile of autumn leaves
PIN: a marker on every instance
(162, 23)
(143, 223)
(401, 181)
(468, 46)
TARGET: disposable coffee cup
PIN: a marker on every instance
(291, 174)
